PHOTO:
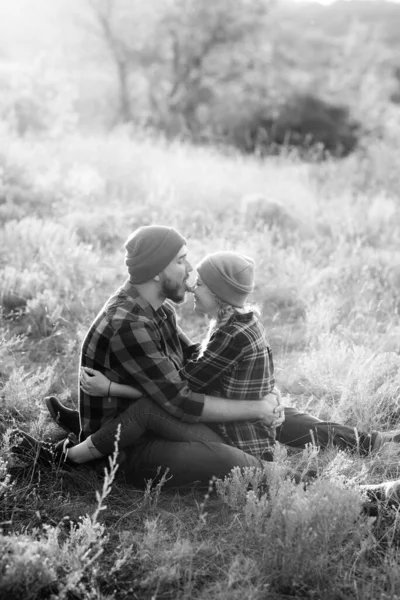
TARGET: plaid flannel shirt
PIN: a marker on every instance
(131, 343)
(237, 364)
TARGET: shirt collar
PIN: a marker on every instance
(133, 293)
(243, 317)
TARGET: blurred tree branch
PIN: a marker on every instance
(239, 72)
(104, 11)
(181, 53)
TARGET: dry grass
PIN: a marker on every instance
(328, 288)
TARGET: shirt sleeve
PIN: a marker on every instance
(221, 354)
(185, 339)
(139, 360)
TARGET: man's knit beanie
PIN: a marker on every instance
(149, 250)
(229, 275)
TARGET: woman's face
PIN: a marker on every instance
(204, 300)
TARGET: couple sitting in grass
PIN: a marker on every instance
(198, 410)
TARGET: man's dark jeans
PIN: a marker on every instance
(188, 462)
(197, 459)
(152, 438)
(297, 430)
(191, 461)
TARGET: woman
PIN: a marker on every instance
(234, 361)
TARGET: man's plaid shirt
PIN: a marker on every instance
(131, 343)
(237, 364)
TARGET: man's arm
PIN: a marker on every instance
(139, 358)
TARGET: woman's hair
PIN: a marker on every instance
(224, 312)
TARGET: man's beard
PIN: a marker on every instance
(173, 291)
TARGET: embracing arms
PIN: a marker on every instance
(146, 355)
(215, 409)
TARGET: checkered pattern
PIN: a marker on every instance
(237, 364)
(133, 344)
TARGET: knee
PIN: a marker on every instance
(135, 409)
(144, 403)
(141, 407)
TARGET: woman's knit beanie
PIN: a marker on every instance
(229, 275)
(149, 250)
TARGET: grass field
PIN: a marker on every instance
(328, 274)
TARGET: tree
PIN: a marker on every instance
(250, 73)
(181, 52)
(116, 25)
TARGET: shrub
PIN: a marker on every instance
(26, 567)
(48, 562)
(305, 121)
(23, 392)
(49, 267)
(233, 489)
(310, 534)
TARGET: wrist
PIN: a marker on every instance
(109, 390)
(257, 410)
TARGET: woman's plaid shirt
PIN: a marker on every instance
(237, 364)
(133, 344)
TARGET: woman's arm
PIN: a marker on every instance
(94, 383)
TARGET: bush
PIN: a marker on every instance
(46, 265)
(26, 568)
(309, 534)
(304, 121)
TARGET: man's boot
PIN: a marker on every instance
(43, 454)
(387, 491)
(381, 494)
(66, 418)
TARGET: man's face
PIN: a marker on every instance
(174, 277)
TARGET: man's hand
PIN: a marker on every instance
(272, 411)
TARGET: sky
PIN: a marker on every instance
(41, 26)
(49, 27)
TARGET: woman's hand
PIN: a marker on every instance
(93, 382)
(279, 410)
(272, 409)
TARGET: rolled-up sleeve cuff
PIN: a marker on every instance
(193, 407)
